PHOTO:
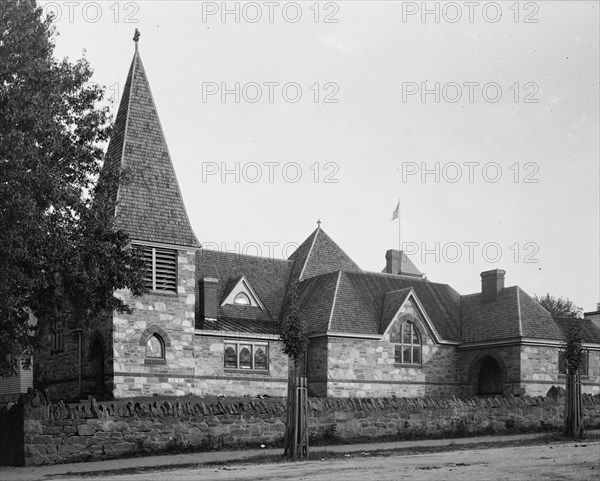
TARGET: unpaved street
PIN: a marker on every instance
(572, 461)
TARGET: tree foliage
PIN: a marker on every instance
(574, 359)
(293, 329)
(59, 251)
(559, 306)
(574, 352)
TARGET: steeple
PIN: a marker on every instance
(147, 202)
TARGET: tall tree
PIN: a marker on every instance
(295, 341)
(559, 306)
(59, 250)
(293, 329)
(574, 360)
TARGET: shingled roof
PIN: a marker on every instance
(499, 319)
(319, 254)
(392, 301)
(147, 202)
(268, 277)
(515, 314)
(316, 299)
(589, 330)
(353, 302)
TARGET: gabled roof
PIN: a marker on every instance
(268, 277)
(392, 301)
(319, 254)
(147, 202)
(353, 302)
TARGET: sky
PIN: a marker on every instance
(481, 117)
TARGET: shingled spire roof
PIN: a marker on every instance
(319, 254)
(147, 202)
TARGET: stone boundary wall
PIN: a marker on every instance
(60, 433)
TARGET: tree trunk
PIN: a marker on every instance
(573, 407)
(296, 432)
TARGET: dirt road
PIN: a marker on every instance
(570, 461)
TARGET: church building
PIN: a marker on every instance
(209, 324)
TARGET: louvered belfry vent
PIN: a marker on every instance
(161, 268)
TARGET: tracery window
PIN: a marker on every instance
(246, 355)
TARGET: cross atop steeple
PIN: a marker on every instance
(319, 223)
(136, 37)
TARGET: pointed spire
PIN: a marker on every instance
(147, 202)
(319, 254)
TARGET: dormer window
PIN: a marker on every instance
(242, 299)
(240, 293)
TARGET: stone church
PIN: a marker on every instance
(209, 324)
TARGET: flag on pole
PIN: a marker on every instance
(396, 212)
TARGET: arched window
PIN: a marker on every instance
(248, 355)
(260, 358)
(242, 299)
(408, 349)
(245, 356)
(155, 347)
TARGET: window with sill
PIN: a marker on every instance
(562, 363)
(160, 268)
(408, 344)
(250, 356)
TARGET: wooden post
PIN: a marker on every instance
(295, 432)
(289, 424)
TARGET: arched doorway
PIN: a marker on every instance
(490, 380)
(97, 367)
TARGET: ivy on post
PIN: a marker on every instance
(295, 342)
(574, 359)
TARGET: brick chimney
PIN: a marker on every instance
(392, 261)
(208, 298)
(492, 284)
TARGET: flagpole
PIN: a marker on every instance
(399, 236)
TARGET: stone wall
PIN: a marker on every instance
(58, 371)
(365, 368)
(170, 315)
(213, 379)
(316, 364)
(57, 433)
(410, 418)
(540, 370)
(530, 370)
(507, 357)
